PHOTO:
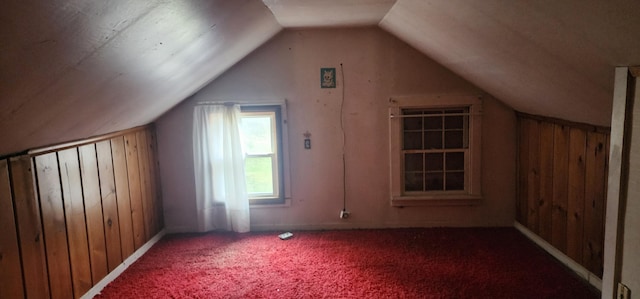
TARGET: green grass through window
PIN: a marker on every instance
(258, 171)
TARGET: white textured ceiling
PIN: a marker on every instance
(328, 13)
(79, 68)
(76, 68)
(552, 58)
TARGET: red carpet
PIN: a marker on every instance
(393, 263)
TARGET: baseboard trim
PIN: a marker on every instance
(560, 256)
(347, 224)
(97, 288)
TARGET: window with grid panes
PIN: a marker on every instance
(434, 145)
(435, 149)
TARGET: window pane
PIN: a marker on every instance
(453, 139)
(413, 162)
(256, 134)
(433, 123)
(434, 162)
(434, 181)
(455, 161)
(258, 173)
(455, 180)
(451, 111)
(412, 140)
(453, 122)
(412, 123)
(413, 181)
(433, 140)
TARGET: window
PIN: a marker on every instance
(435, 150)
(434, 145)
(261, 133)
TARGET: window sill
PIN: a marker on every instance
(436, 200)
(262, 205)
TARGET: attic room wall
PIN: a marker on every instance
(562, 186)
(377, 66)
(71, 214)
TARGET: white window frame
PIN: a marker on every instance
(274, 154)
(284, 199)
(472, 192)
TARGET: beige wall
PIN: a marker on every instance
(377, 66)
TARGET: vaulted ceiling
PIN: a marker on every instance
(76, 68)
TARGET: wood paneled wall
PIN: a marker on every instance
(71, 214)
(562, 179)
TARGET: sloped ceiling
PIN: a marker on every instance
(552, 58)
(77, 68)
(74, 69)
(329, 13)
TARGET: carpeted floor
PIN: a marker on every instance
(390, 263)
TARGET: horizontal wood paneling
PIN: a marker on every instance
(80, 210)
(562, 182)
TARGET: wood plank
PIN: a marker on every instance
(54, 227)
(158, 184)
(133, 175)
(594, 202)
(145, 187)
(122, 196)
(523, 169)
(533, 175)
(29, 228)
(545, 203)
(11, 284)
(153, 181)
(76, 224)
(80, 142)
(560, 187)
(93, 211)
(109, 205)
(575, 193)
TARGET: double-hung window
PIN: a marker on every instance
(261, 133)
(435, 150)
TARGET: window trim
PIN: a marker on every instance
(472, 193)
(273, 154)
(283, 198)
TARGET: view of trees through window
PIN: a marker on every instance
(260, 146)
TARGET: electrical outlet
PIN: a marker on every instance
(623, 292)
(344, 214)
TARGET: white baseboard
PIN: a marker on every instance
(97, 288)
(179, 230)
(559, 255)
(348, 224)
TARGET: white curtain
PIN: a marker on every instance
(219, 168)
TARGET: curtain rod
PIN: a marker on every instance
(391, 115)
(217, 103)
(243, 103)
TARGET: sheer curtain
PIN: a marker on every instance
(219, 168)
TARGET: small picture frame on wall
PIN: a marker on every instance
(328, 77)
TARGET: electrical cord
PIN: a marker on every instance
(344, 161)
